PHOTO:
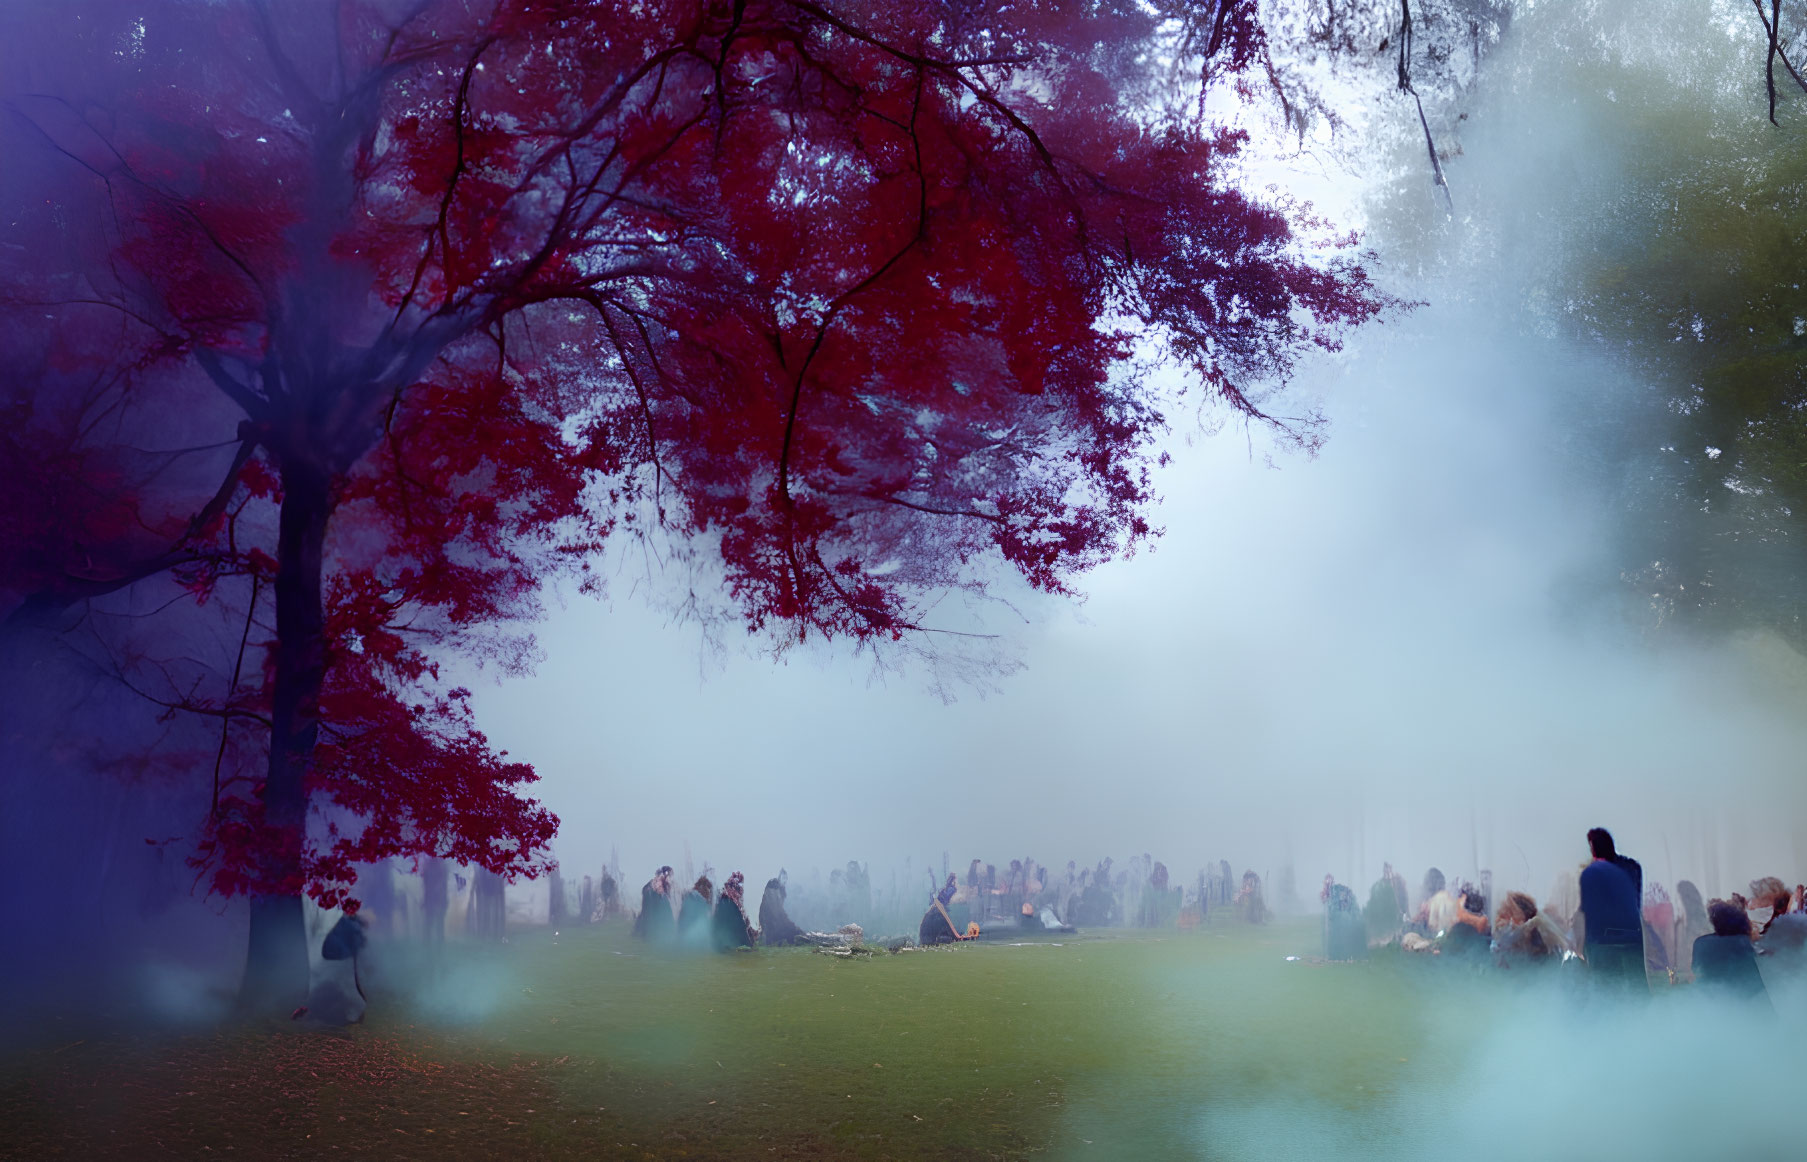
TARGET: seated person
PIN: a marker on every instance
(1096, 907)
(1785, 936)
(1345, 932)
(694, 912)
(1522, 934)
(936, 926)
(1440, 912)
(1434, 885)
(1030, 922)
(654, 923)
(775, 925)
(731, 929)
(1463, 942)
(1384, 916)
(1725, 960)
(1250, 903)
(1471, 909)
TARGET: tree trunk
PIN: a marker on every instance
(276, 968)
(433, 875)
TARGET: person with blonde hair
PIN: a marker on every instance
(1524, 935)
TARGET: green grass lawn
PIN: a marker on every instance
(590, 1045)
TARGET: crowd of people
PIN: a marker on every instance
(1604, 918)
(1022, 897)
(699, 916)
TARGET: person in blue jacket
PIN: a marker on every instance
(1613, 933)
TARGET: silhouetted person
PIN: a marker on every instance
(775, 925)
(937, 926)
(610, 894)
(654, 924)
(731, 929)
(1345, 932)
(1251, 905)
(328, 1001)
(1614, 932)
(1097, 903)
(1468, 935)
(1725, 960)
(345, 942)
(694, 913)
(1384, 915)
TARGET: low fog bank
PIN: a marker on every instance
(1544, 1077)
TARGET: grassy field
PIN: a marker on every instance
(589, 1045)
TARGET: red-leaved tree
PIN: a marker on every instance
(444, 292)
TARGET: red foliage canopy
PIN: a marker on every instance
(848, 289)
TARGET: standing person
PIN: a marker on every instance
(1614, 928)
(654, 924)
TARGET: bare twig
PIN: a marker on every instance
(1405, 86)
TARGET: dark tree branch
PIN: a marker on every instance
(1772, 31)
(231, 689)
(1405, 86)
(71, 590)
